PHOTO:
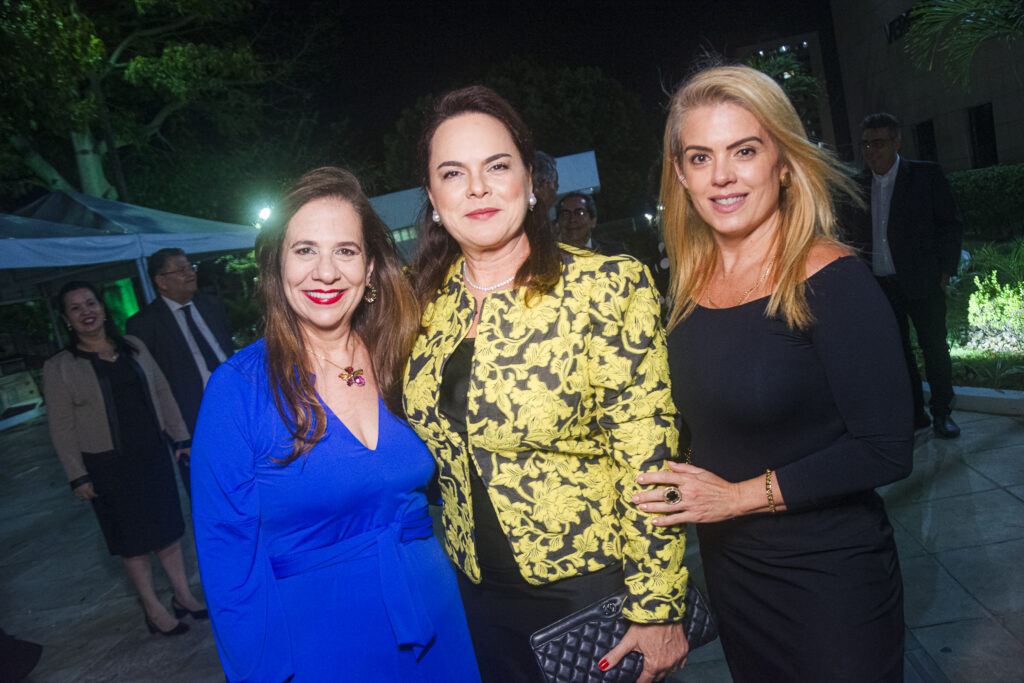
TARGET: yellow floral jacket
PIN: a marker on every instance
(569, 400)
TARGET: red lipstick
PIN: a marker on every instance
(312, 295)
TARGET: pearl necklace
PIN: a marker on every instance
(750, 290)
(474, 285)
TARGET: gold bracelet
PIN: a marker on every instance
(768, 491)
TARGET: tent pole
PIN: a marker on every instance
(58, 334)
(147, 286)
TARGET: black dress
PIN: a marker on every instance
(136, 493)
(813, 593)
(503, 610)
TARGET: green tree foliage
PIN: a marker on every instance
(569, 110)
(996, 315)
(800, 85)
(85, 79)
(991, 200)
(225, 177)
(951, 31)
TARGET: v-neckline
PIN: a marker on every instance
(380, 422)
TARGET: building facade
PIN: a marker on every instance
(960, 128)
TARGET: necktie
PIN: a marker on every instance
(204, 347)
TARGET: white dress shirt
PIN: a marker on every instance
(881, 199)
(197, 355)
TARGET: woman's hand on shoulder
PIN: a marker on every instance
(823, 253)
(663, 646)
(84, 491)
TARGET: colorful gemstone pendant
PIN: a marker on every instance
(352, 376)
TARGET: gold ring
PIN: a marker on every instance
(672, 495)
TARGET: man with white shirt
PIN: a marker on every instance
(912, 243)
(186, 331)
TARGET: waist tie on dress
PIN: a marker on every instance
(406, 612)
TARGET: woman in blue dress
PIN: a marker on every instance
(309, 494)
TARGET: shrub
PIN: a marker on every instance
(991, 200)
(995, 314)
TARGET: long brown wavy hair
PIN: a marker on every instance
(437, 249)
(807, 207)
(387, 327)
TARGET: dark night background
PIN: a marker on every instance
(355, 78)
(387, 54)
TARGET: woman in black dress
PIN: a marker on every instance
(786, 367)
(111, 417)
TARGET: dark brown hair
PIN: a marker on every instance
(882, 120)
(387, 327)
(159, 259)
(437, 249)
(120, 343)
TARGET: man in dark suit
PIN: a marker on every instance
(577, 218)
(912, 240)
(186, 331)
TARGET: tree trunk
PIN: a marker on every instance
(108, 136)
(50, 176)
(90, 165)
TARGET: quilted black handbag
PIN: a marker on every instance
(569, 650)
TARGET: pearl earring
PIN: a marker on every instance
(532, 201)
(436, 217)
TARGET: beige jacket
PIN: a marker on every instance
(78, 414)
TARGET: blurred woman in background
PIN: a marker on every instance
(112, 417)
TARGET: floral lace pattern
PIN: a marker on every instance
(569, 400)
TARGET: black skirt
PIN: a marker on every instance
(810, 595)
(503, 610)
(136, 502)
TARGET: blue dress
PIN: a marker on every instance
(327, 568)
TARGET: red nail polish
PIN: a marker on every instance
(603, 665)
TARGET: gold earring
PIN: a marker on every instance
(371, 295)
(786, 180)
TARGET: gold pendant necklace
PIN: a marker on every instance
(350, 375)
(750, 290)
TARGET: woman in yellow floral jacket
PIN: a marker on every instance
(540, 383)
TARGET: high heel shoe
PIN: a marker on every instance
(180, 610)
(176, 631)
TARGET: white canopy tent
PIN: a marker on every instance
(66, 234)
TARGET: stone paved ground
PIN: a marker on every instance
(959, 522)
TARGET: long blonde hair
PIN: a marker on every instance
(807, 212)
